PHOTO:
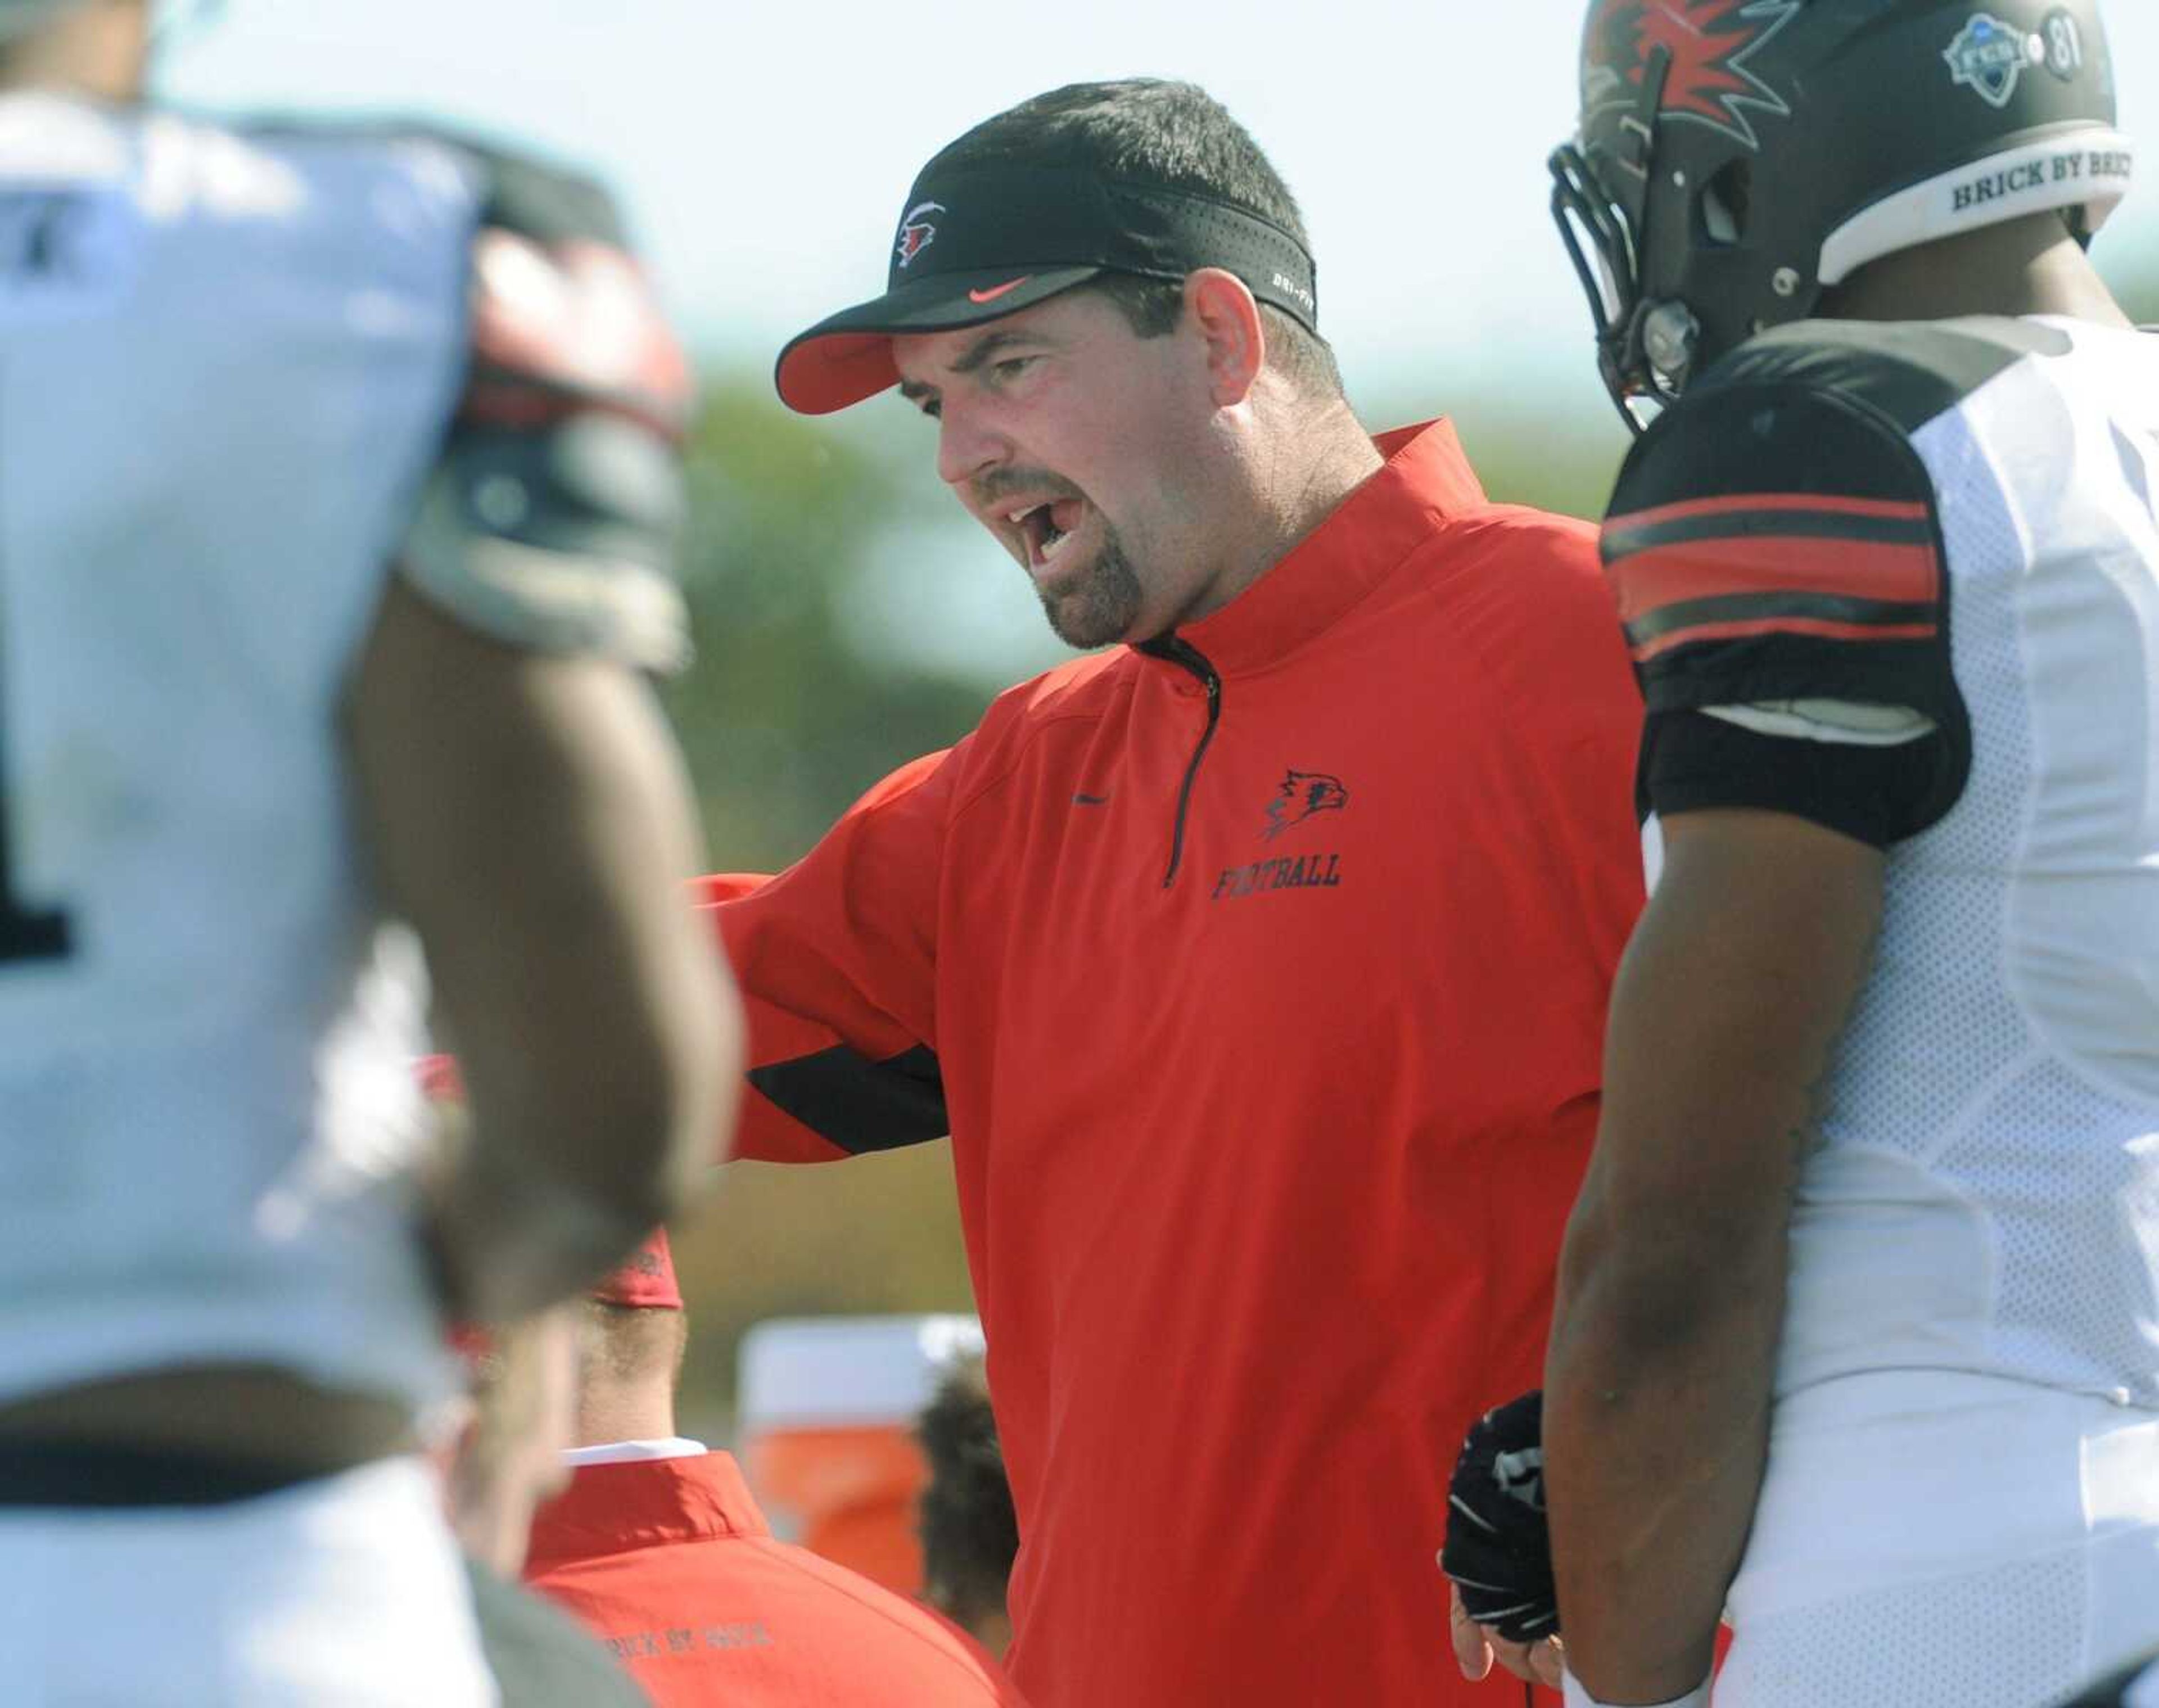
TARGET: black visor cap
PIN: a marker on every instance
(974, 247)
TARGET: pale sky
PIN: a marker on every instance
(764, 150)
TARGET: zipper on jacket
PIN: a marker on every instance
(1187, 656)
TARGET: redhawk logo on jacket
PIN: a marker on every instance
(1302, 795)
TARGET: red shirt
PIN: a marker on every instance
(1265, 995)
(671, 1563)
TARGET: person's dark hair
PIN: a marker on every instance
(969, 1535)
(1175, 134)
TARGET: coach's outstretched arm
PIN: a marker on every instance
(530, 815)
(837, 961)
(1671, 1287)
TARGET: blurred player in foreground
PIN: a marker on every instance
(507, 1459)
(1858, 1331)
(657, 1546)
(335, 545)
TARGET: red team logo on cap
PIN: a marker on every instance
(916, 233)
(1710, 41)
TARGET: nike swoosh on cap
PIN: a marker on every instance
(997, 291)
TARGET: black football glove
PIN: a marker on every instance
(1498, 1551)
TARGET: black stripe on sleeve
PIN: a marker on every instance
(1622, 539)
(1750, 607)
(1691, 761)
(859, 1104)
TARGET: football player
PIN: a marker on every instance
(337, 508)
(1858, 1329)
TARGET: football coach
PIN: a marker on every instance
(1256, 965)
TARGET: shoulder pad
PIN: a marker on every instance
(1908, 372)
(564, 541)
(544, 200)
(1775, 540)
(563, 316)
(555, 513)
(522, 191)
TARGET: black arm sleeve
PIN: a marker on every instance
(1877, 796)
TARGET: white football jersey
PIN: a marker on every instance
(1941, 541)
(229, 366)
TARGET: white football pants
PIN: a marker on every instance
(1935, 1540)
(343, 1593)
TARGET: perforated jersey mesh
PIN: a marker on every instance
(207, 1112)
(2024, 1176)
(2009, 1637)
(2075, 1302)
(1936, 1017)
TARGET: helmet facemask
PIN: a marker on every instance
(1599, 215)
(1659, 219)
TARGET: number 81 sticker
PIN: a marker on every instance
(2064, 40)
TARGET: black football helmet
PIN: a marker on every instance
(1734, 158)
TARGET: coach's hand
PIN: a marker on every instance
(1498, 1555)
(1477, 1647)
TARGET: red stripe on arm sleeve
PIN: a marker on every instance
(1786, 503)
(1708, 569)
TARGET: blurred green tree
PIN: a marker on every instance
(784, 722)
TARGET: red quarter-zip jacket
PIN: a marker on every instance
(669, 1562)
(1259, 976)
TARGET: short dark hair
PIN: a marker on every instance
(1151, 131)
(969, 1535)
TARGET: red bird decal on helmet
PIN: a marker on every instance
(1711, 42)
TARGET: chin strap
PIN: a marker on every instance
(1615, 225)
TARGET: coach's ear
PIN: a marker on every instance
(1220, 306)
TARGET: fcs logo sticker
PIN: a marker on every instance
(1989, 56)
(916, 233)
(1302, 795)
(1711, 43)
